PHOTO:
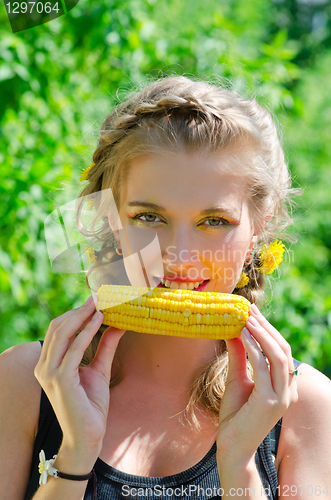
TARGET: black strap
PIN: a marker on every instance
(71, 477)
(274, 436)
(85, 477)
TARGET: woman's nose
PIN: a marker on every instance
(182, 250)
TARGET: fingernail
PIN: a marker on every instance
(245, 333)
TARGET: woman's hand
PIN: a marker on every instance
(249, 410)
(79, 395)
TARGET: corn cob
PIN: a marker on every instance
(180, 313)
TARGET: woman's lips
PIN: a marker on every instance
(183, 280)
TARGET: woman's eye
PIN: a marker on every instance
(154, 219)
(216, 221)
(147, 218)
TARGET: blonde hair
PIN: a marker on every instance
(179, 114)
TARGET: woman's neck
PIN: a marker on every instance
(164, 361)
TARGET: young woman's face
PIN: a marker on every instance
(199, 213)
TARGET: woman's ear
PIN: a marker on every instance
(249, 253)
(258, 231)
(115, 226)
(258, 228)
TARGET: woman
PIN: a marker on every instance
(205, 170)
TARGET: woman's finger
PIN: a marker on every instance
(254, 311)
(74, 354)
(55, 323)
(106, 350)
(237, 360)
(261, 374)
(274, 333)
(63, 335)
(278, 360)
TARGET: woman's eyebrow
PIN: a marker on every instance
(204, 212)
(223, 210)
(145, 204)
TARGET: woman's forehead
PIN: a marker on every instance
(182, 171)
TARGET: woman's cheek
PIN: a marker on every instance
(226, 267)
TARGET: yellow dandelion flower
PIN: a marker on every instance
(244, 280)
(271, 257)
(84, 174)
(90, 255)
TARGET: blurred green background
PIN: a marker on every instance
(59, 80)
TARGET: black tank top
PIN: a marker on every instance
(200, 481)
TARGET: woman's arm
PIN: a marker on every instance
(19, 413)
(304, 451)
(250, 409)
(79, 397)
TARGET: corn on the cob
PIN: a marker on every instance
(180, 313)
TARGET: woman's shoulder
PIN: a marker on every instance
(305, 440)
(19, 362)
(19, 387)
(20, 359)
(313, 406)
(19, 415)
(314, 392)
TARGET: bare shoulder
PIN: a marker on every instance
(305, 440)
(26, 355)
(17, 370)
(19, 387)
(19, 414)
(314, 399)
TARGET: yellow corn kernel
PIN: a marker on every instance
(180, 313)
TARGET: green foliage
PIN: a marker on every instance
(304, 311)
(58, 81)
